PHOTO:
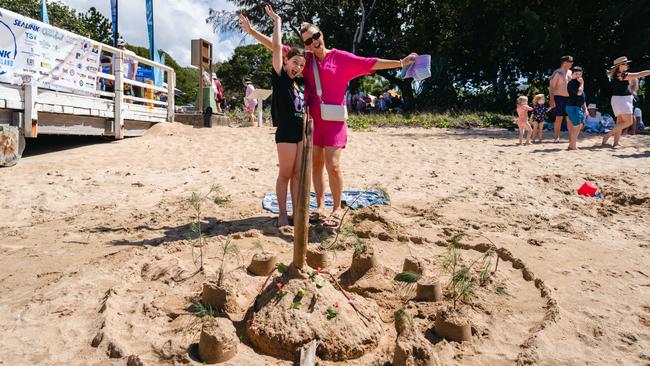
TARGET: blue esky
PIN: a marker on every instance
(176, 23)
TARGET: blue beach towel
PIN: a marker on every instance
(353, 198)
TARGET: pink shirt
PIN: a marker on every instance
(336, 70)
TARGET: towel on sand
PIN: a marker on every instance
(353, 198)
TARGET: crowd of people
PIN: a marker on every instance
(360, 102)
(568, 100)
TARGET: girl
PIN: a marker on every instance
(575, 107)
(622, 97)
(522, 121)
(538, 117)
(287, 113)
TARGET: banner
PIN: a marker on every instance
(44, 17)
(158, 74)
(114, 21)
(152, 48)
(32, 52)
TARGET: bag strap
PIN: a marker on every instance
(319, 90)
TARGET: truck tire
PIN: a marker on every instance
(12, 145)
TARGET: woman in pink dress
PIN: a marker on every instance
(335, 68)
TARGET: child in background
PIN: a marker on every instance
(522, 119)
(287, 111)
(538, 116)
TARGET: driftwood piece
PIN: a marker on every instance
(301, 214)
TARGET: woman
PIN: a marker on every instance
(335, 69)
(622, 97)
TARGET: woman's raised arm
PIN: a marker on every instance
(245, 24)
(382, 64)
(637, 75)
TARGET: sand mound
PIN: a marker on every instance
(280, 328)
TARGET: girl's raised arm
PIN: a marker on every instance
(276, 42)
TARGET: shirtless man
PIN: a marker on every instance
(559, 95)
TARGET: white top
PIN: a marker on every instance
(130, 65)
(638, 113)
(593, 121)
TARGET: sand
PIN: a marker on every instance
(93, 239)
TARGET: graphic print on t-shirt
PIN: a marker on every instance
(298, 99)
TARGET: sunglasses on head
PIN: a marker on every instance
(313, 38)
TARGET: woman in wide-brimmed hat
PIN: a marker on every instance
(622, 97)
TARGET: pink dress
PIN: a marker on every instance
(522, 113)
(335, 70)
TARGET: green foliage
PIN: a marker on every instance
(196, 202)
(408, 277)
(252, 61)
(282, 268)
(501, 290)
(481, 52)
(359, 248)
(360, 122)
(331, 312)
(91, 24)
(201, 310)
(228, 249)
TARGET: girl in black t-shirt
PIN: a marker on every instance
(622, 97)
(287, 111)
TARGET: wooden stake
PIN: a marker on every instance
(301, 212)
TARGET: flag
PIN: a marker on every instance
(152, 47)
(158, 74)
(114, 21)
(44, 17)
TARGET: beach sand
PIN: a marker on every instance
(93, 239)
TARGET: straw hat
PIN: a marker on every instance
(620, 61)
(592, 106)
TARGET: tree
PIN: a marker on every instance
(96, 26)
(252, 61)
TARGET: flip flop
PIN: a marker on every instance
(332, 221)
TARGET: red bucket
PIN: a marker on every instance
(588, 189)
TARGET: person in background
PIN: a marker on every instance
(250, 103)
(538, 117)
(622, 97)
(559, 94)
(638, 120)
(130, 68)
(218, 92)
(594, 120)
(576, 106)
(522, 119)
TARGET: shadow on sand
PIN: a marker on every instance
(210, 226)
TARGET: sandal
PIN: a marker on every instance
(332, 221)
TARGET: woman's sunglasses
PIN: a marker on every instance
(313, 38)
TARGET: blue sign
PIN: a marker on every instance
(7, 56)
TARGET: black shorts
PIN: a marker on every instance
(288, 135)
(560, 105)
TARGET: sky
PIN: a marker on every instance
(176, 23)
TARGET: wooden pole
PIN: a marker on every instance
(301, 212)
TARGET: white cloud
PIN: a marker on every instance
(176, 23)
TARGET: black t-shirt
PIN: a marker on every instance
(287, 107)
(574, 99)
(620, 86)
